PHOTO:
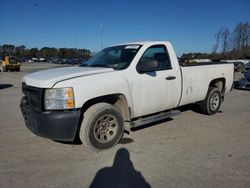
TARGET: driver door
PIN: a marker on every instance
(154, 91)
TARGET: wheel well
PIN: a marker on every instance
(118, 100)
(219, 83)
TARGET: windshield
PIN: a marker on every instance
(12, 60)
(116, 57)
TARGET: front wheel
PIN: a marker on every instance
(2, 68)
(102, 126)
(211, 104)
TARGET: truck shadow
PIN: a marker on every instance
(190, 107)
(5, 86)
(77, 141)
(193, 107)
(126, 141)
(151, 124)
(122, 174)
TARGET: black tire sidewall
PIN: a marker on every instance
(93, 141)
(212, 91)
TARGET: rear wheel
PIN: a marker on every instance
(211, 104)
(102, 126)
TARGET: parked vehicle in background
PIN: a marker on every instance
(42, 60)
(9, 63)
(53, 60)
(122, 87)
(247, 67)
(239, 66)
(35, 60)
(244, 82)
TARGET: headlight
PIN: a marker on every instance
(59, 99)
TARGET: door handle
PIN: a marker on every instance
(170, 78)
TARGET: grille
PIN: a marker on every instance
(34, 95)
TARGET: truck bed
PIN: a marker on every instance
(197, 77)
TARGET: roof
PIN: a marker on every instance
(142, 43)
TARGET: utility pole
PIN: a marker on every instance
(75, 40)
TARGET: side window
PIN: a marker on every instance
(157, 53)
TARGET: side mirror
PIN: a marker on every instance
(147, 66)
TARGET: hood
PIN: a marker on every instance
(48, 78)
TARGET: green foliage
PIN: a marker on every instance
(196, 56)
(45, 52)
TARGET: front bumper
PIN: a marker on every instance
(13, 66)
(55, 125)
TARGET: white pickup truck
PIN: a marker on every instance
(121, 87)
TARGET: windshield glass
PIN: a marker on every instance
(12, 60)
(116, 57)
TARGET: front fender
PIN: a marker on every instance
(89, 87)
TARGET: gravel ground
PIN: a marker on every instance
(190, 150)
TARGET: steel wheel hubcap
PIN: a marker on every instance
(214, 101)
(105, 128)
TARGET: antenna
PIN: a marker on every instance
(101, 32)
(75, 40)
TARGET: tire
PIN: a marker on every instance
(211, 104)
(2, 68)
(17, 69)
(236, 84)
(102, 126)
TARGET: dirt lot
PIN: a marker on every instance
(191, 150)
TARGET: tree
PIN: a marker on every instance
(217, 42)
(222, 39)
(241, 36)
(84, 54)
(20, 51)
(234, 45)
(45, 52)
(225, 39)
(246, 34)
(53, 52)
(33, 52)
(8, 48)
(62, 52)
